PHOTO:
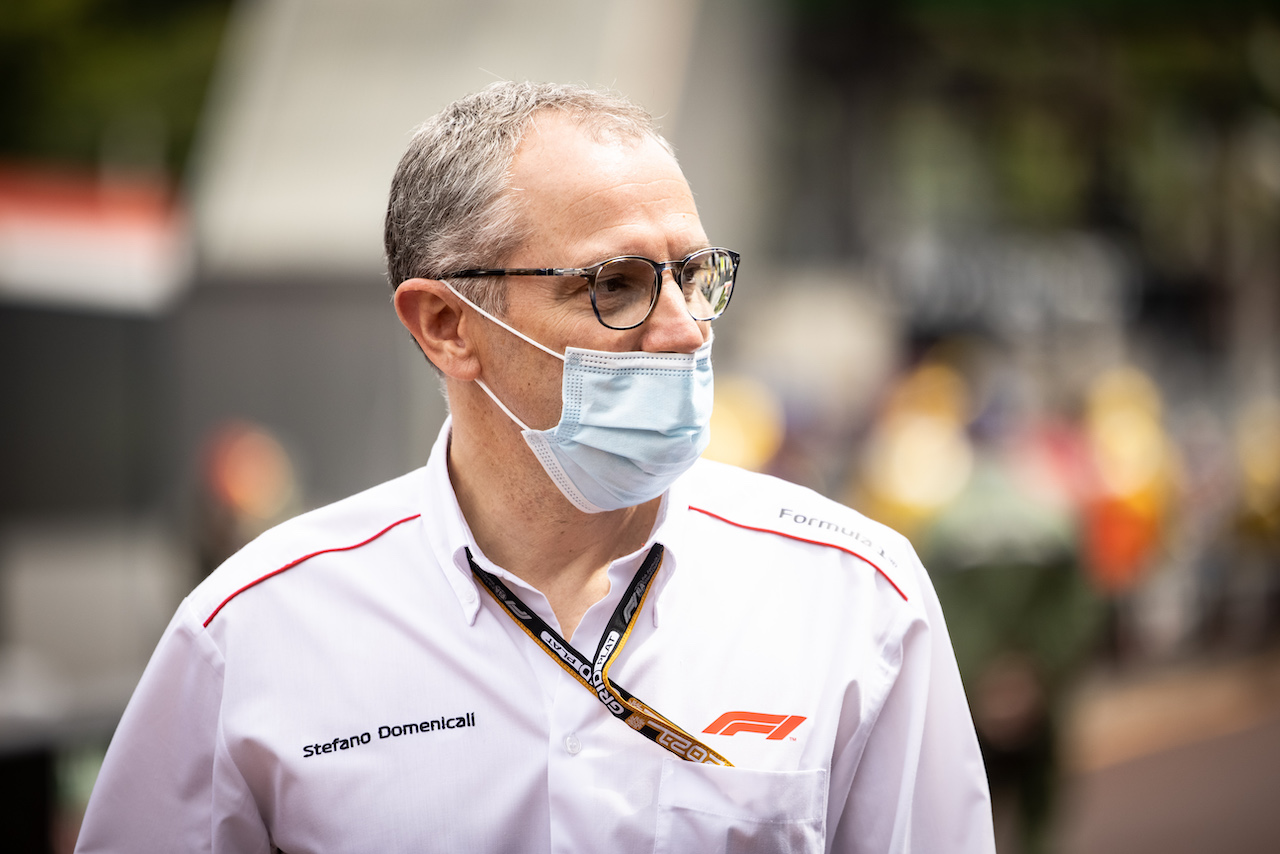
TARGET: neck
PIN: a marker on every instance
(524, 524)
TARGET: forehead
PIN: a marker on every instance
(590, 198)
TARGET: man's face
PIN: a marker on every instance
(587, 202)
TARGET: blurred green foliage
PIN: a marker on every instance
(1109, 10)
(114, 82)
(1150, 120)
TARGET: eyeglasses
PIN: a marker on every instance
(624, 290)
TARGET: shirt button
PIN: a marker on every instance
(572, 744)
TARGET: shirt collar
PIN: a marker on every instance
(450, 536)
(447, 530)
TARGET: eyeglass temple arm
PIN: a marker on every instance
(518, 271)
(585, 272)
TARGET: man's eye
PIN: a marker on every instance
(617, 286)
(613, 286)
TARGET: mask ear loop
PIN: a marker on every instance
(503, 406)
(514, 332)
(511, 329)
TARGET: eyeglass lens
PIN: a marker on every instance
(626, 288)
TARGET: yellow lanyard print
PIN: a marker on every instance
(594, 674)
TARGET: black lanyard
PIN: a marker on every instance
(594, 673)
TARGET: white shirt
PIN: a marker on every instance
(344, 684)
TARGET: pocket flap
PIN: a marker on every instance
(744, 794)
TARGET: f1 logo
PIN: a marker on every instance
(777, 727)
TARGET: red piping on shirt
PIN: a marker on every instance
(291, 565)
(883, 574)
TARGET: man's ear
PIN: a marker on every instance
(434, 316)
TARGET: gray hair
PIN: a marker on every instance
(449, 207)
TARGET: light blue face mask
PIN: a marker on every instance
(630, 423)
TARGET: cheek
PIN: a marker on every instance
(566, 329)
(543, 390)
(535, 378)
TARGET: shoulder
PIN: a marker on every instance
(376, 515)
(758, 504)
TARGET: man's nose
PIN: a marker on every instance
(670, 328)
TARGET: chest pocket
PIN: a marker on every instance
(717, 810)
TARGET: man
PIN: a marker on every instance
(565, 633)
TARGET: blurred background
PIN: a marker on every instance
(1011, 284)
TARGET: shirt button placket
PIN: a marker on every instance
(573, 713)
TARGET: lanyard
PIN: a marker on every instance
(594, 676)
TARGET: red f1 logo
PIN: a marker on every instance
(777, 726)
